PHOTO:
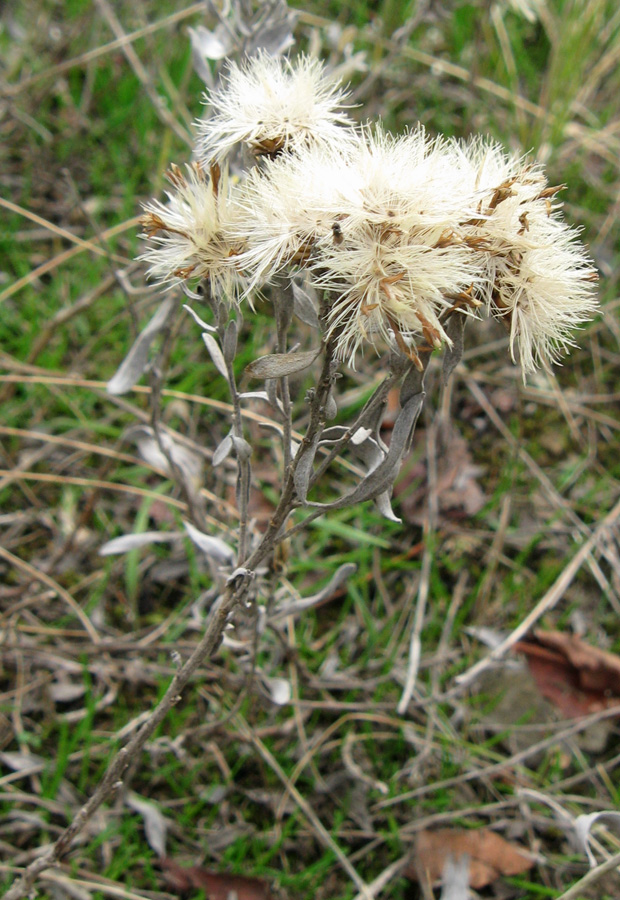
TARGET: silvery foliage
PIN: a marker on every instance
(137, 361)
(241, 28)
(308, 460)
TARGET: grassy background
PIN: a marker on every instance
(82, 145)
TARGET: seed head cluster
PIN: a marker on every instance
(272, 105)
(193, 235)
(397, 232)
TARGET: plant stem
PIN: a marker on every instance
(209, 643)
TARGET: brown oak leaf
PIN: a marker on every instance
(490, 855)
(575, 676)
(216, 885)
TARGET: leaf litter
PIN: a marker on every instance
(490, 856)
(459, 494)
(576, 677)
(216, 885)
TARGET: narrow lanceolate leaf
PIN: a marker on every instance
(275, 35)
(412, 384)
(200, 64)
(212, 547)
(222, 450)
(154, 822)
(277, 365)
(360, 436)
(216, 354)
(341, 575)
(208, 44)
(383, 476)
(189, 463)
(200, 322)
(304, 307)
(303, 469)
(332, 434)
(223, 315)
(135, 363)
(271, 389)
(255, 395)
(127, 542)
(384, 505)
(283, 309)
(370, 452)
(229, 344)
(21, 762)
(243, 450)
(279, 689)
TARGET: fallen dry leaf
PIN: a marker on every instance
(490, 856)
(216, 885)
(577, 678)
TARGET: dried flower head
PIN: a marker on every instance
(397, 260)
(272, 104)
(192, 235)
(291, 206)
(538, 277)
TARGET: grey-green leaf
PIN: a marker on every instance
(304, 307)
(383, 476)
(216, 354)
(222, 450)
(296, 606)
(135, 363)
(229, 344)
(127, 542)
(212, 547)
(277, 365)
(243, 451)
(303, 469)
(384, 505)
(413, 383)
(331, 407)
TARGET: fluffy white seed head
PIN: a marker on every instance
(272, 104)
(398, 260)
(538, 277)
(193, 235)
(377, 224)
(291, 206)
(543, 292)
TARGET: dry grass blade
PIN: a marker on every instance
(97, 52)
(62, 232)
(441, 65)
(134, 61)
(64, 257)
(553, 595)
(37, 575)
(592, 877)
(317, 826)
